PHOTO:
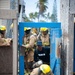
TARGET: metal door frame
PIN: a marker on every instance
(21, 33)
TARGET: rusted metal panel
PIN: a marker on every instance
(67, 22)
(8, 14)
(63, 59)
(64, 12)
(6, 60)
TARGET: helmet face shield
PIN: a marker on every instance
(27, 31)
(27, 28)
(45, 32)
(2, 32)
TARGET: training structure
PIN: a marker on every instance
(7, 14)
(67, 12)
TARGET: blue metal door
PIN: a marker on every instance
(55, 35)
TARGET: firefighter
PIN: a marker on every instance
(3, 40)
(34, 34)
(44, 69)
(2, 31)
(44, 37)
(29, 39)
(42, 53)
(29, 42)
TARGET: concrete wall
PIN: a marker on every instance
(5, 4)
(6, 60)
(67, 22)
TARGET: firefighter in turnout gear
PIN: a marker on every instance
(29, 39)
(2, 31)
(3, 40)
(29, 42)
(34, 34)
(44, 37)
(44, 69)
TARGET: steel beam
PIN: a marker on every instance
(15, 48)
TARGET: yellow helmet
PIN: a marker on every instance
(27, 28)
(2, 28)
(45, 68)
(43, 29)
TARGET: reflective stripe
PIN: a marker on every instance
(46, 44)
